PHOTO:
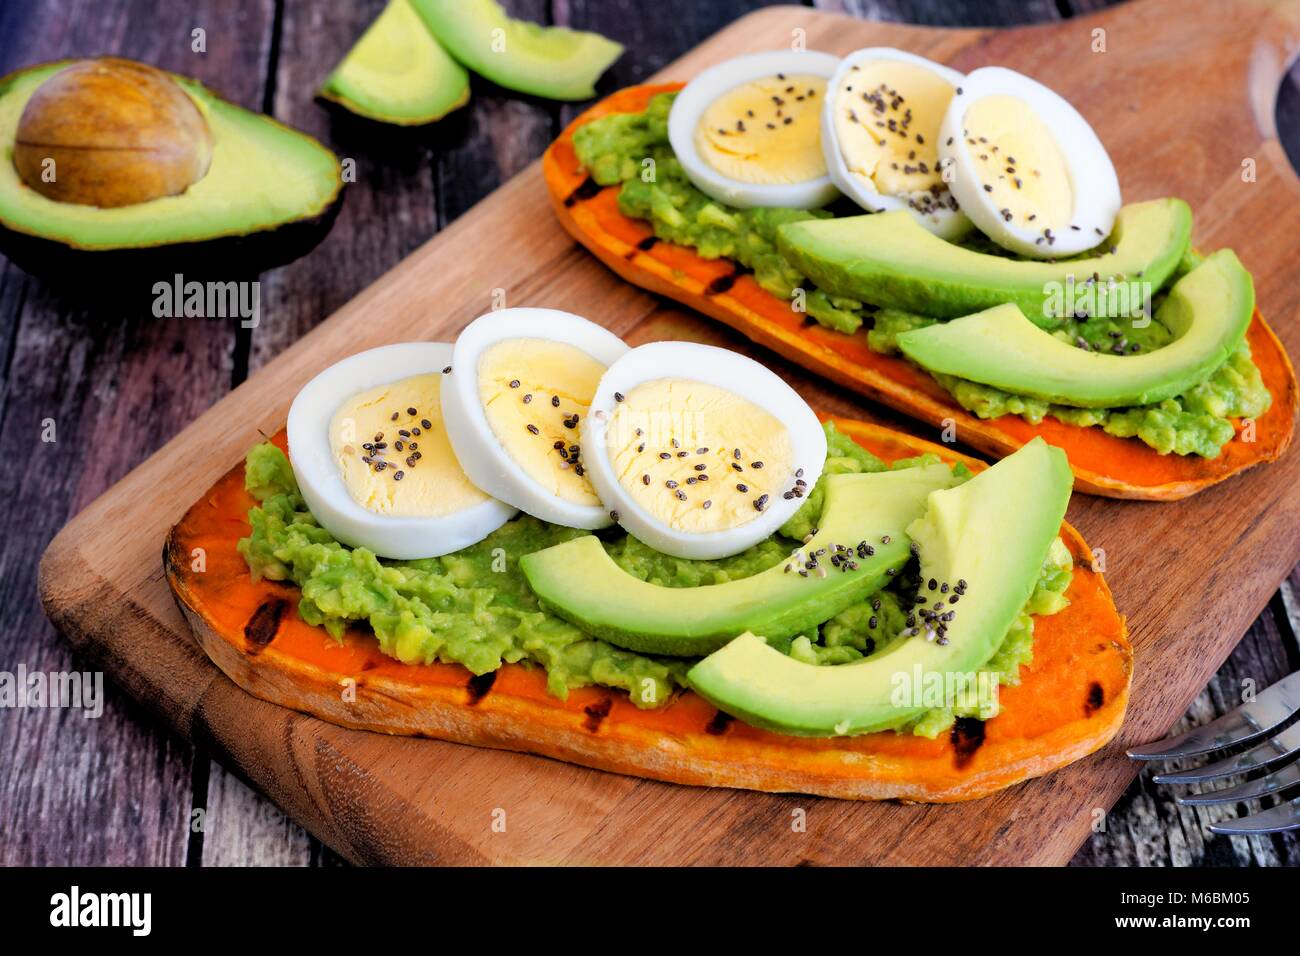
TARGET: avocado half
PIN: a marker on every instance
(269, 195)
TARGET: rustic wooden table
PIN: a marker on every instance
(119, 790)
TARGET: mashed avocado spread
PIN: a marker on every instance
(614, 148)
(474, 608)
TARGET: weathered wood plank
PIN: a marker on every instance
(388, 210)
(948, 13)
(652, 37)
(1288, 598)
(243, 828)
(116, 384)
(501, 132)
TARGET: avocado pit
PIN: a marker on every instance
(110, 132)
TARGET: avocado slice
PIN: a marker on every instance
(554, 62)
(398, 73)
(890, 260)
(1208, 311)
(580, 582)
(993, 532)
(263, 177)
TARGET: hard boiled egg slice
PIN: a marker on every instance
(1026, 167)
(521, 383)
(748, 131)
(368, 444)
(697, 451)
(880, 134)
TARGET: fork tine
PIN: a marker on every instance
(1280, 749)
(1285, 816)
(1228, 731)
(1288, 776)
(1274, 708)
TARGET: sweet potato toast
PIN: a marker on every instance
(1103, 464)
(1070, 702)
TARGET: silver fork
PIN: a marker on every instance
(1267, 726)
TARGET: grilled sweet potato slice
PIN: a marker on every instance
(1070, 702)
(1102, 463)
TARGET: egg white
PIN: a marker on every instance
(698, 95)
(728, 370)
(321, 482)
(485, 460)
(945, 223)
(1092, 174)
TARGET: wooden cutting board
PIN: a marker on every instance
(1183, 95)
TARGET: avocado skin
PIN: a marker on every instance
(83, 273)
(224, 257)
(332, 98)
(857, 257)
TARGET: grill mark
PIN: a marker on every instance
(645, 245)
(369, 665)
(596, 713)
(478, 686)
(719, 724)
(263, 625)
(721, 284)
(588, 189)
(967, 737)
(1096, 697)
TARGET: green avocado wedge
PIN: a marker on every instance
(398, 73)
(579, 582)
(890, 260)
(993, 533)
(1208, 311)
(553, 62)
(263, 177)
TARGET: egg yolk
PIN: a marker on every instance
(887, 116)
(1019, 164)
(393, 454)
(697, 457)
(535, 393)
(766, 132)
